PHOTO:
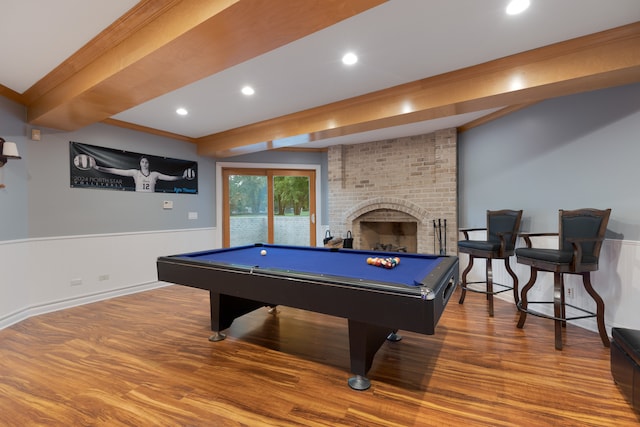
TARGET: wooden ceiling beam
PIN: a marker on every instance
(597, 61)
(175, 44)
(494, 116)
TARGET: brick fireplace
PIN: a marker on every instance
(391, 191)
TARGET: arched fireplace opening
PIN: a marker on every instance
(388, 224)
(399, 234)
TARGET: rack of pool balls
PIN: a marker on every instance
(384, 262)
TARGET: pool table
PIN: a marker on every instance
(376, 301)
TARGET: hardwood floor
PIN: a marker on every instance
(145, 360)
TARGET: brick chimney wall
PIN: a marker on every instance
(414, 175)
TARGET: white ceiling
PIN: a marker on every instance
(397, 42)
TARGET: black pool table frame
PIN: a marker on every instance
(375, 313)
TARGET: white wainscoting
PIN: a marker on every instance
(36, 274)
(49, 274)
(617, 281)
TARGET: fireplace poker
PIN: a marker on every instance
(440, 235)
(445, 237)
(434, 236)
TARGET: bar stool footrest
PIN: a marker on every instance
(506, 288)
(588, 314)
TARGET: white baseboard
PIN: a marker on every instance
(41, 275)
(13, 318)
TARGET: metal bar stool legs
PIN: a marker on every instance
(463, 286)
(489, 289)
(559, 307)
(586, 280)
(489, 283)
(516, 294)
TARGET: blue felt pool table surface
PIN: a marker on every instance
(347, 263)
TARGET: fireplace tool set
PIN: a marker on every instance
(438, 227)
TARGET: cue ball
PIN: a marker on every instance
(263, 252)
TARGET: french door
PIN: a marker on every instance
(268, 206)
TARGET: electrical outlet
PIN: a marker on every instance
(103, 277)
(570, 293)
(76, 282)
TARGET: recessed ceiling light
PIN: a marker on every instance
(516, 83)
(517, 6)
(349, 58)
(248, 90)
(182, 111)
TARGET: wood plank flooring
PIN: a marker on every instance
(145, 360)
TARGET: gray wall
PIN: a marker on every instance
(39, 202)
(86, 211)
(14, 198)
(565, 153)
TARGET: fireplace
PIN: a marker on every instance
(391, 191)
(389, 236)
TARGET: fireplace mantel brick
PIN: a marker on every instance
(416, 175)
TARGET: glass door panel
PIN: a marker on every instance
(247, 207)
(291, 213)
(269, 206)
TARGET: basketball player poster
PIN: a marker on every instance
(110, 169)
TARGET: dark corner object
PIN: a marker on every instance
(625, 361)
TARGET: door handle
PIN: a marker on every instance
(313, 218)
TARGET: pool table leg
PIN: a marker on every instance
(364, 341)
(217, 336)
(359, 383)
(393, 336)
(225, 309)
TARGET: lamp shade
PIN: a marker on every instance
(10, 150)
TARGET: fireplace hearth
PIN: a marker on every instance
(389, 247)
